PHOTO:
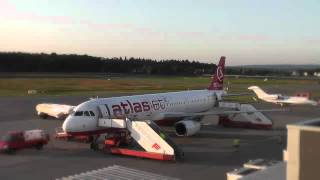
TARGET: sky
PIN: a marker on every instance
(245, 31)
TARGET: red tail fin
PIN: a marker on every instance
(217, 81)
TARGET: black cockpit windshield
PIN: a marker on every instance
(78, 113)
(84, 113)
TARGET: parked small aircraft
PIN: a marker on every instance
(281, 99)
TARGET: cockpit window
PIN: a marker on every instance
(91, 113)
(78, 113)
(86, 113)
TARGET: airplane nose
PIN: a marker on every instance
(66, 125)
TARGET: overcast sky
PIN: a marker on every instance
(245, 31)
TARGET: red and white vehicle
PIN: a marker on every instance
(14, 141)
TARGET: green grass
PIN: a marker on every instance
(135, 84)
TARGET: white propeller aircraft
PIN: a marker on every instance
(281, 99)
(183, 109)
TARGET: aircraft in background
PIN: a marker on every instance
(281, 99)
(59, 111)
(183, 109)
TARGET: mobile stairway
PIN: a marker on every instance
(154, 143)
(254, 120)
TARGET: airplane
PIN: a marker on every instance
(184, 109)
(281, 99)
(58, 111)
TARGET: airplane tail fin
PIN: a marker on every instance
(258, 91)
(218, 76)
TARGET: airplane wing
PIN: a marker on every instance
(54, 110)
(237, 94)
(216, 112)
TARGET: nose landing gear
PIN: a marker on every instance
(94, 145)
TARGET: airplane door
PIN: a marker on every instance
(104, 111)
(215, 100)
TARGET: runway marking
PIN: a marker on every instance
(116, 172)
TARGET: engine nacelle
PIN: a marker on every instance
(187, 127)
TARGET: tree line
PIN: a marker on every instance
(72, 63)
(42, 62)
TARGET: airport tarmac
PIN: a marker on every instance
(208, 155)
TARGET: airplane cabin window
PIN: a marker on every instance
(78, 113)
(91, 113)
(86, 113)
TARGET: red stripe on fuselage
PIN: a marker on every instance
(96, 132)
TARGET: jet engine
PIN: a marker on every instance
(187, 127)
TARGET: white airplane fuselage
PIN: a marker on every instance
(145, 107)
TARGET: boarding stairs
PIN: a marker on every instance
(149, 137)
(179, 154)
(253, 119)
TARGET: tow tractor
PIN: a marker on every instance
(18, 140)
